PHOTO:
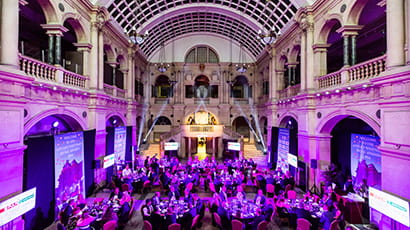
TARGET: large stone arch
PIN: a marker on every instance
(293, 54)
(69, 116)
(77, 25)
(49, 11)
(327, 26)
(284, 118)
(326, 125)
(117, 114)
(355, 11)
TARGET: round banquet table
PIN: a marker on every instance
(244, 211)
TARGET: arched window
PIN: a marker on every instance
(201, 54)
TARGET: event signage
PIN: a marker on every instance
(391, 206)
(235, 146)
(366, 159)
(283, 149)
(69, 166)
(292, 160)
(109, 161)
(17, 206)
(170, 146)
(120, 136)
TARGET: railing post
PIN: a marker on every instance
(344, 75)
(60, 75)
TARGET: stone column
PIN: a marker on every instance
(189, 147)
(51, 39)
(94, 56)
(100, 58)
(213, 146)
(310, 78)
(346, 50)
(292, 73)
(85, 48)
(303, 74)
(130, 76)
(280, 78)
(353, 56)
(57, 57)
(320, 51)
(273, 84)
(55, 32)
(395, 33)
(9, 33)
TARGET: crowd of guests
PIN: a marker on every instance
(177, 200)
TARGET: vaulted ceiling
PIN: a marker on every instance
(237, 20)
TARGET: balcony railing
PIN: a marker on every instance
(121, 93)
(47, 72)
(362, 71)
(37, 69)
(367, 69)
(73, 79)
(109, 89)
(289, 91)
(330, 80)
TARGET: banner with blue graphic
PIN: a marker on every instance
(120, 136)
(283, 149)
(69, 166)
(366, 159)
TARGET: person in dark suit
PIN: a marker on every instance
(253, 225)
(173, 194)
(68, 211)
(147, 209)
(156, 199)
(116, 194)
(188, 196)
(223, 194)
(170, 218)
(327, 217)
(260, 199)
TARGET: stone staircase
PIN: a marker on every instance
(250, 151)
(151, 151)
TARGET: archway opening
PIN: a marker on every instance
(33, 40)
(354, 153)
(334, 57)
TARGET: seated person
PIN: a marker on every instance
(173, 194)
(147, 209)
(170, 218)
(84, 223)
(156, 199)
(116, 195)
(260, 199)
(253, 225)
(108, 215)
(124, 211)
(281, 209)
(268, 209)
(187, 196)
(327, 217)
(223, 194)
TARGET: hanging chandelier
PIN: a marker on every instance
(267, 38)
(137, 38)
(241, 67)
(162, 66)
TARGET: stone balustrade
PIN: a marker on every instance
(37, 69)
(362, 71)
(329, 80)
(367, 69)
(46, 72)
(289, 91)
(109, 89)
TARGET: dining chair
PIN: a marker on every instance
(110, 225)
(236, 225)
(147, 225)
(334, 225)
(174, 227)
(217, 219)
(302, 224)
(146, 185)
(263, 225)
(270, 190)
(291, 194)
(195, 222)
